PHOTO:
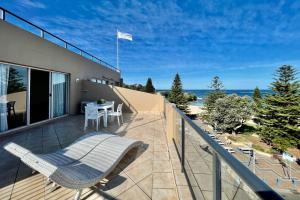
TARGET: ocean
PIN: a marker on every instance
(202, 93)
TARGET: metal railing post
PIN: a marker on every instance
(42, 34)
(2, 14)
(182, 143)
(217, 182)
(66, 45)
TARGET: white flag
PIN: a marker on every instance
(125, 36)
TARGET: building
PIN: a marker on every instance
(42, 85)
(40, 79)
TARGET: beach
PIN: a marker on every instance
(195, 110)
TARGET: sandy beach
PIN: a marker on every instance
(195, 110)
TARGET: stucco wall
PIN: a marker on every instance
(134, 101)
(24, 48)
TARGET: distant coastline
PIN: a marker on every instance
(202, 93)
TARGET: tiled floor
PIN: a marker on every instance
(149, 172)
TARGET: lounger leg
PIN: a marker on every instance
(85, 124)
(48, 181)
(97, 123)
(77, 195)
(53, 187)
(118, 120)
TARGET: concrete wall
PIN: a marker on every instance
(134, 101)
(170, 116)
(24, 48)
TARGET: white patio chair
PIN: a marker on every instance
(92, 113)
(117, 114)
(112, 109)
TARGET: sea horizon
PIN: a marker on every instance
(201, 93)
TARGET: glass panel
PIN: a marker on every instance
(13, 96)
(233, 187)
(59, 93)
(74, 49)
(198, 164)
(177, 133)
(54, 40)
(22, 24)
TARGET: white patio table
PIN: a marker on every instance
(104, 106)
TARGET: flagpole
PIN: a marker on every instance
(117, 51)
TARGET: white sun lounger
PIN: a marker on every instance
(80, 165)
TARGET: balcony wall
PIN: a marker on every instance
(134, 101)
(21, 47)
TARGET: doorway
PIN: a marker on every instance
(39, 95)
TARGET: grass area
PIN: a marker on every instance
(238, 138)
(247, 129)
(264, 149)
(257, 144)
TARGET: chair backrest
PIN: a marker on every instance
(91, 111)
(119, 109)
(113, 106)
(11, 104)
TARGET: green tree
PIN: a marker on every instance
(231, 112)
(211, 98)
(15, 81)
(149, 87)
(165, 94)
(176, 95)
(280, 111)
(216, 93)
(216, 84)
(257, 98)
(190, 96)
(256, 95)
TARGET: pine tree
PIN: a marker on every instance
(15, 81)
(149, 87)
(176, 95)
(256, 95)
(257, 101)
(216, 84)
(216, 93)
(211, 98)
(280, 112)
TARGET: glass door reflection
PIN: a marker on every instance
(59, 94)
(13, 96)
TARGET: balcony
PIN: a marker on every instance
(177, 161)
(145, 173)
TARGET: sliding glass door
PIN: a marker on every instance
(59, 94)
(29, 95)
(13, 96)
(39, 95)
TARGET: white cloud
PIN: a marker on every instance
(168, 36)
(31, 4)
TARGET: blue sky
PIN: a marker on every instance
(242, 41)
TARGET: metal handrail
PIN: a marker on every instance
(259, 187)
(66, 44)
